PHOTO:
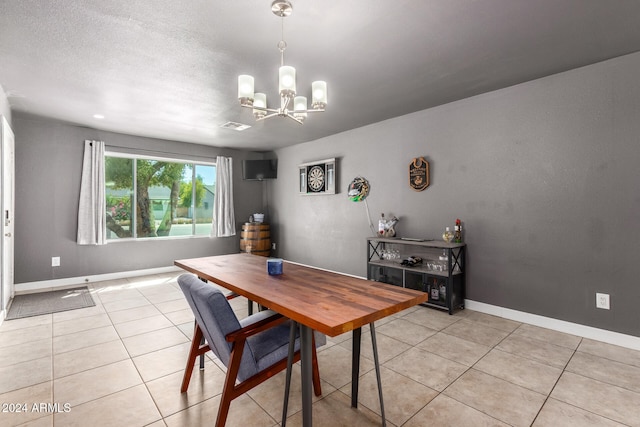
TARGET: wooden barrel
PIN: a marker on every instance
(255, 238)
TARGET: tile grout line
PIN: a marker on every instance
(146, 387)
(512, 333)
(162, 417)
(556, 382)
(438, 393)
(472, 367)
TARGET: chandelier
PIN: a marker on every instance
(286, 82)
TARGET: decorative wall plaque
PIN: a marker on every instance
(419, 174)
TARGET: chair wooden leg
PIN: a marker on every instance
(229, 391)
(223, 410)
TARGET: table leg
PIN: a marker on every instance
(355, 366)
(202, 340)
(377, 363)
(201, 343)
(287, 385)
(306, 343)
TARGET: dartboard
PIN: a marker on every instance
(315, 178)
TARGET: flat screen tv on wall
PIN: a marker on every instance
(258, 170)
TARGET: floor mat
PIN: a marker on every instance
(49, 302)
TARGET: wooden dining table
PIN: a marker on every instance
(328, 302)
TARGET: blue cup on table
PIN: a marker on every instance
(274, 266)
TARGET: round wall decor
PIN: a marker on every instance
(358, 189)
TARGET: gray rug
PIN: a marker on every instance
(49, 302)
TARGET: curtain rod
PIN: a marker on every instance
(158, 151)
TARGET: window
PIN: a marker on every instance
(170, 198)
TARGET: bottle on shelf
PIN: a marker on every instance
(447, 236)
(457, 233)
(381, 225)
(443, 291)
(444, 261)
(434, 295)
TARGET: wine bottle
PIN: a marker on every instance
(457, 232)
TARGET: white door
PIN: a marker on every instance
(8, 171)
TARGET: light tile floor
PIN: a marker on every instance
(120, 363)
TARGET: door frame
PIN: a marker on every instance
(7, 208)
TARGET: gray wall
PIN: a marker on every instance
(545, 176)
(48, 169)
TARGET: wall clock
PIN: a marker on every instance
(318, 177)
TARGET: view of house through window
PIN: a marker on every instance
(157, 198)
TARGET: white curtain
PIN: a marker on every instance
(92, 220)
(224, 223)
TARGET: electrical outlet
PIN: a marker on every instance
(602, 301)
(273, 246)
(55, 261)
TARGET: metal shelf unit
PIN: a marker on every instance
(446, 275)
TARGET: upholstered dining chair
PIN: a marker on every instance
(253, 349)
(198, 340)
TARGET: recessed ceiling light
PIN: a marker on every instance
(98, 116)
(235, 126)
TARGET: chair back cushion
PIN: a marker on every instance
(216, 319)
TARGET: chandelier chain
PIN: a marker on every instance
(282, 45)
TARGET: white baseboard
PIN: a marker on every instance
(615, 338)
(57, 284)
(609, 337)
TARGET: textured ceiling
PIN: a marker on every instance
(168, 69)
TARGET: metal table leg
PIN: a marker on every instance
(377, 363)
(355, 369)
(355, 366)
(287, 385)
(195, 324)
(202, 339)
(306, 343)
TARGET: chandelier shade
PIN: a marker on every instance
(245, 87)
(287, 80)
(319, 93)
(292, 105)
(300, 107)
(259, 101)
